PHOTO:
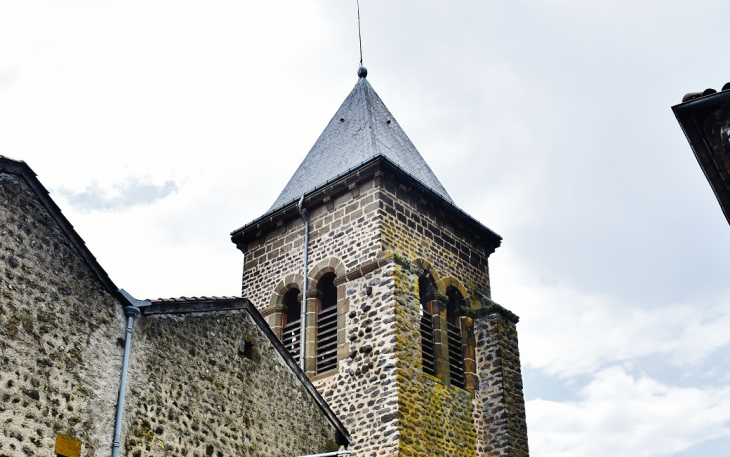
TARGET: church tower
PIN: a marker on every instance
(401, 337)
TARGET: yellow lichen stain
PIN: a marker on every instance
(433, 419)
(67, 446)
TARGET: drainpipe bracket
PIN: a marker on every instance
(131, 311)
(133, 302)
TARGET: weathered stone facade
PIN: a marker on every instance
(379, 239)
(208, 382)
(418, 228)
(343, 236)
(434, 418)
(363, 391)
(499, 403)
(59, 329)
(347, 229)
(206, 378)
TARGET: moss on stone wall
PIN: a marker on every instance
(381, 394)
(433, 419)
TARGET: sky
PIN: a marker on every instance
(161, 126)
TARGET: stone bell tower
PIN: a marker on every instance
(401, 337)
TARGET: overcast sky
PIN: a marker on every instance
(160, 127)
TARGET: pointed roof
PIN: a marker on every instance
(361, 129)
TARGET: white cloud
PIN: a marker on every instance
(618, 414)
(566, 332)
(134, 191)
(548, 121)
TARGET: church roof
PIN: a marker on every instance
(361, 129)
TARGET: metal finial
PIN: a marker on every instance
(362, 72)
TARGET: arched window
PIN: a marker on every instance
(426, 292)
(291, 322)
(454, 310)
(326, 323)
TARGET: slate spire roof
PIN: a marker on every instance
(361, 129)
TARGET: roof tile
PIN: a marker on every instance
(362, 128)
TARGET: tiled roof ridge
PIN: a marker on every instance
(189, 299)
(709, 91)
(11, 159)
(371, 116)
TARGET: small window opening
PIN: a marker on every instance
(245, 349)
(327, 324)
(291, 322)
(454, 310)
(426, 290)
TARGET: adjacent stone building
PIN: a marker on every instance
(60, 319)
(401, 337)
(705, 120)
(207, 377)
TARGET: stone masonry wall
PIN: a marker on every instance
(194, 392)
(379, 390)
(363, 391)
(349, 232)
(60, 335)
(417, 230)
(499, 402)
(434, 419)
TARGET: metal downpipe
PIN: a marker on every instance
(303, 320)
(131, 312)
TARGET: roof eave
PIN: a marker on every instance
(291, 207)
(493, 236)
(687, 116)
